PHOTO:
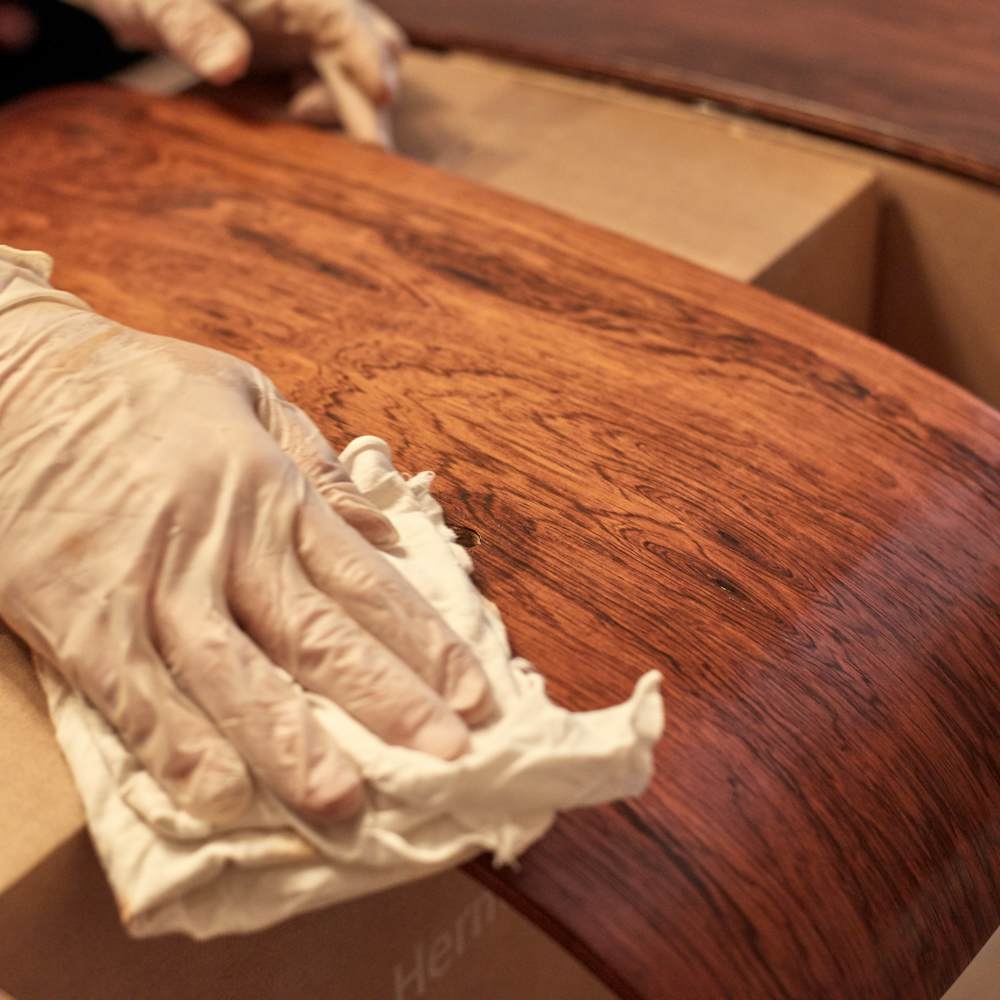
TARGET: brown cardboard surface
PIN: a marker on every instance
(445, 938)
(39, 809)
(981, 979)
(939, 275)
(799, 223)
(936, 286)
(832, 269)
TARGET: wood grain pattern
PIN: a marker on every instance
(916, 77)
(666, 468)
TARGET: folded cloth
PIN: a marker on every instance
(172, 872)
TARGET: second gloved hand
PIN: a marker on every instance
(181, 544)
(351, 46)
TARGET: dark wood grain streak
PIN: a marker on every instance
(920, 78)
(796, 525)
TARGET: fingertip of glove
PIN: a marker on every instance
(476, 711)
(335, 802)
(389, 90)
(383, 533)
(223, 60)
(445, 737)
(314, 105)
(371, 523)
(468, 691)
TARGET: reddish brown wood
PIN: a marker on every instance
(796, 525)
(916, 77)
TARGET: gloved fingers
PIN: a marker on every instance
(313, 103)
(262, 713)
(170, 736)
(329, 653)
(213, 43)
(356, 112)
(353, 42)
(302, 442)
(373, 593)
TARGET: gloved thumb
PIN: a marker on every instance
(202, 35)
(302, 441)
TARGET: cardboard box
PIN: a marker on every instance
(799, 223)
(904, 252)
(937, 281)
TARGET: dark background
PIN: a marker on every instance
(70, 45)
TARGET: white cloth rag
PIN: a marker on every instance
(171, 872)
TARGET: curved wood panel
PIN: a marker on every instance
(915, 77)
(666, 468)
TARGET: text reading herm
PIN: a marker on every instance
(434, 957)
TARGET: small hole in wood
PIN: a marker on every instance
(467, 537)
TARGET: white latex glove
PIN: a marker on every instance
(352, 46)
(180, 542)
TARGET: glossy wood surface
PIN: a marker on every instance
(917, 77)
(666, 469)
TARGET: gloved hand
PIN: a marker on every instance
(180, 543)
(351, 45)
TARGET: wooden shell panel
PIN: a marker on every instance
(667, 469)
